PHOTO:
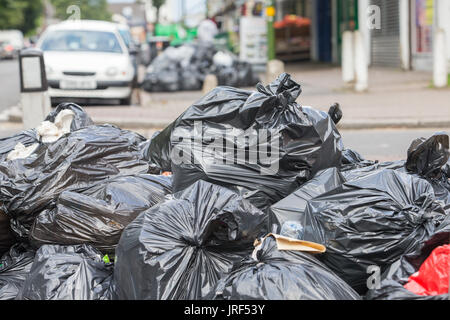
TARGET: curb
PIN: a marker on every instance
(13, 115)
(394, 124)
(348, 125)
(133, 124)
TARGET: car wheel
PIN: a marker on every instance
(126, 101)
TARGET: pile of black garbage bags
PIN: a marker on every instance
(185, 68)
(246, 195)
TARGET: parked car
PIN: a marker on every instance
(87, 59)
(133, 49)
(11, 42)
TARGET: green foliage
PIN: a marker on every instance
(158, 3)
(89, 9)
(20, 14)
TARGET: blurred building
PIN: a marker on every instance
(133, 14)
(405, 37)
(397, 34)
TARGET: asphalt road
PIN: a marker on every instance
(382, 145)
(385, 144)
(9, 83)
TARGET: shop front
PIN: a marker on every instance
(422, 29)
(385, 41)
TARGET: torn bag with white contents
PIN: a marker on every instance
(77, 159)
(274, 274)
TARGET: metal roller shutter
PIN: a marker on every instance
(385, 42)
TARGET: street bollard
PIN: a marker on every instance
(274, 69)
(361, 68)
(439, 60)
(348, 67)
(34, 97)
(209, 83)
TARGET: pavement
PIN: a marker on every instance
(375, 144)
(395, 99)
(9, 84)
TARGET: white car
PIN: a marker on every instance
(87, 59)
(11, 42)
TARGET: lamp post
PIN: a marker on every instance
(34, 97)
(270, 13)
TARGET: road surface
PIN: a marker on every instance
(9, 83)
(386, 144)
(382, 145)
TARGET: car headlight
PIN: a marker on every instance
(112, 71)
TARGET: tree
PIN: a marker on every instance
(20, 14)
(89, 9)
(32, 15)
(158, 4)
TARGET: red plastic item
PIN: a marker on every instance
(433, 277)
(292, 20)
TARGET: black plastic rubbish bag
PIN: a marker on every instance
(287, 215)
(98, 214)
(29, 137)
(335, 112)
(368, 219)
(165, 80)
(75, 160)
(14, 268)
(190, 78)
(372, 220)
(429, 159)
(350, 158)
(274, 274)
(164, 73)
(245, 74)
(80, 120)
(7, 238)
(178, 249)
(226, 76)
(185, 68)
(301, 141)
(397, 275)
(426, 157)
(230, 71)
(353, 160)
(67, 273)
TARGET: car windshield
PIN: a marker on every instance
(81, 40)
(125, 34)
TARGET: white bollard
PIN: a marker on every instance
(439, 60)
(35, 107)
(348, 68)
(274, 69)
(209, 83)
(361, 68)
(34, 97)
